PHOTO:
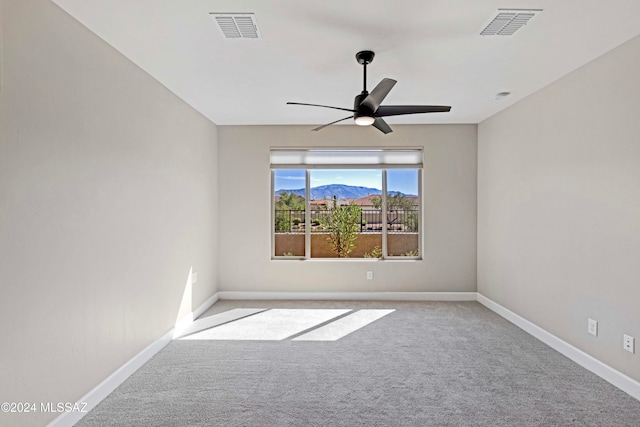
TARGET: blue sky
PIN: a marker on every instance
(403, 180)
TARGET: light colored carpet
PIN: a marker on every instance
(424, 364)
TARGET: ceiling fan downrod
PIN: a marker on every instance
(365, 57)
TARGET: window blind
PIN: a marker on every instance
(283, 158)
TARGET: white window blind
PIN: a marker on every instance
(283, 158)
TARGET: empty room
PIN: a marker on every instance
(284, 213)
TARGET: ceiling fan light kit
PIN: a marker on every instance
(364, 120)
(366, 106)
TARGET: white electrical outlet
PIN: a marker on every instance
(592, 327)
(194, 277)
(628, 343)
(369, 275)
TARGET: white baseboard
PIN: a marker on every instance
(606, 372)
(205, 305)
(349, 296)
(186, 322)
(102, 390)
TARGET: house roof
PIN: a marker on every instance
(368, 200)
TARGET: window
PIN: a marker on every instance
(346, 203)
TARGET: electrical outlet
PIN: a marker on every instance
(194, 277)
(628, 343)
(369, 275)
(592, 327)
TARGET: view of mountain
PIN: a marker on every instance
(339, 190)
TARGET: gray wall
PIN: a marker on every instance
(559, 207)
(108, 196)
(449, 198)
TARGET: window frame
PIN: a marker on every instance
(384, 168)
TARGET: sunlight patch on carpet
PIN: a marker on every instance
(344, 326)
(216, 320)
(274, 324)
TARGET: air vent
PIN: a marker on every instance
(237, 25)
(508, 21)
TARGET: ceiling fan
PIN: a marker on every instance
(366, 106)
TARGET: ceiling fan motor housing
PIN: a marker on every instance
(361, 110)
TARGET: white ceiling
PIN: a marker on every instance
(307, 52)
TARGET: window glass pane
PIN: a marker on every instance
(289, 212)
(402, 212)
(343, 216)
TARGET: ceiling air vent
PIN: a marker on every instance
(237, 25)
(508, 21)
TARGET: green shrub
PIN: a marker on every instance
(376, 252)
(343, 225)
(412, 221)
(282, 222)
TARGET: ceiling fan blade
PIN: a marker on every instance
(397, 110)
(329, 124)
(325, 106)
(377, 95)
(382, 126)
